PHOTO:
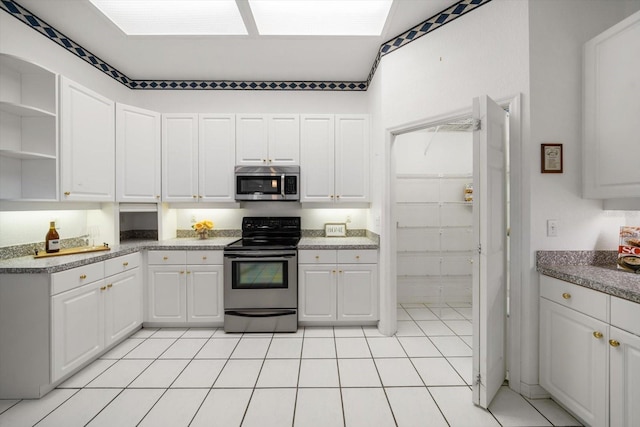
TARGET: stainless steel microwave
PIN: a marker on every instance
(275, 183)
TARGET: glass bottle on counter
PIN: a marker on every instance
(52, 240)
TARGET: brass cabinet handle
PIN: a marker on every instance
(597, 334)
(182, 272)
(337, 197)
(264, 160)
(188, 272)
(566, 295)
(67, 193)
(157, 196)
(333, 271)
(102, 288)
(357, 256)
(317, 256)
(125, 264)
(194, 196)
(204, 258)
(199, 197)
(339, 271)
(614, 343)
(110, 285)
(332, 196)
(165, 258)
(83, 276)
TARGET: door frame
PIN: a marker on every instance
(518, 219)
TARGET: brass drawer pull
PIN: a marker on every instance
(125, 264)
(614, 343)
(566, 295)
(102, 288)
(598, 334)
(357, 256)
(165, 258)
(83, 276)
(204, 258)
(110, 285)
(67, 193)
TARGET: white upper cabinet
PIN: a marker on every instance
(352, 158)
(334, 163)
(28, 131)
(611, 111)
(137, 154)
(268, 140)
(198, 157)
(87, 144)
(216, 153)
(317, 157)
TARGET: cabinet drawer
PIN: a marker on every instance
(204, 257)
(122, 263)
(625, 315)
(317, 257)
(70, 279)
(584, 300)
(167, 257)
(357, 256)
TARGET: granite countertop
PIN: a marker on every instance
(595, 270)
(30, 265)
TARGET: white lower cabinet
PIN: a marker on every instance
(185, 287)
(590, 353)
(91, 317)
(77, 328)
(338, 285)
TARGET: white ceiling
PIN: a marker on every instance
(251, 57)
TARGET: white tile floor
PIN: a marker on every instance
(349, 376)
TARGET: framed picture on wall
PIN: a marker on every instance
(551, 157)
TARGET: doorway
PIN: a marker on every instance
(388, 258)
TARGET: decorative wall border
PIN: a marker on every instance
(436, 21)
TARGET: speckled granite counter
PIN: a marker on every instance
(30, 265)
(337, 243)
(594, 270)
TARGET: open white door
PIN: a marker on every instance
(490, 229)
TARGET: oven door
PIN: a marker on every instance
(260, 280)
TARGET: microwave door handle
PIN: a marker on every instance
(282, 186)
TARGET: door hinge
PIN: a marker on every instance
(477, 124)
(479, 248)
(478, 379)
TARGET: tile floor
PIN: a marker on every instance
(347, 376)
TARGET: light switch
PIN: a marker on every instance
(552, 228)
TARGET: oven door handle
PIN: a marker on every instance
(258, 255)
(269, 313)
(282, 186)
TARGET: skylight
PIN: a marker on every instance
(320, 17)
(272, 17)
(174, 17)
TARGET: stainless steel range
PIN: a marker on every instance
(261, 276)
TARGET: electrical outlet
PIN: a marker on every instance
(552, 228)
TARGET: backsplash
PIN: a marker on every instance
(18, 251)
(576, 257)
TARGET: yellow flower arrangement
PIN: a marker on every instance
(203, 227)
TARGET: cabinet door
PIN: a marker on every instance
(317, 160)
(624, 383)
(87, 144)
(217, 139)
(179, 157)
(357, 292)
(123, 305)
(138, 150)
(251, 139)
(611, 106)
(284, 140)
(352, 158)
(317, 292)
(204, 293)
(77, 330)
(167, 294)
(573, 361)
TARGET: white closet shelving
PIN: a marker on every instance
(28, 131)
(434, 235)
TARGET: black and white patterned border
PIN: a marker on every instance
(431, 24)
